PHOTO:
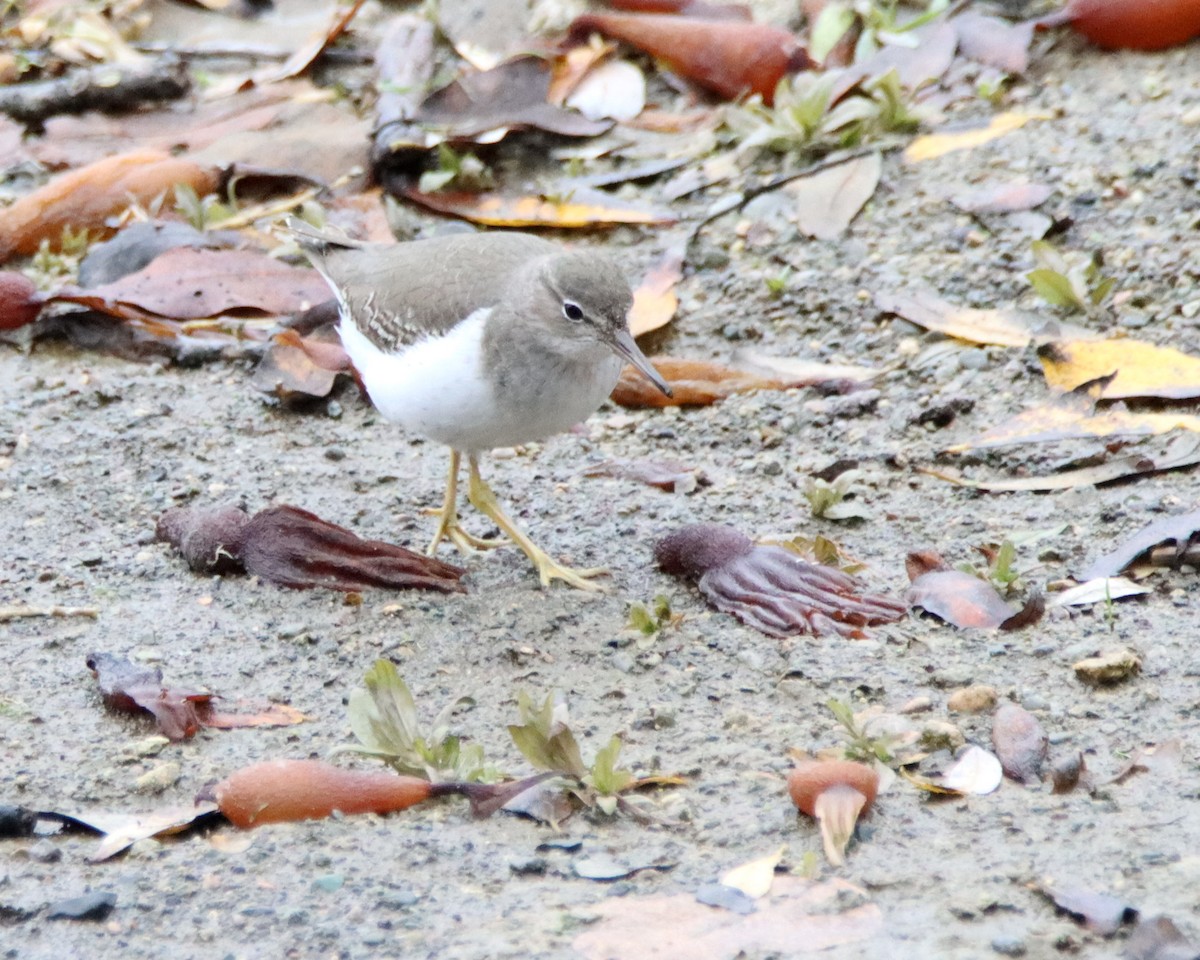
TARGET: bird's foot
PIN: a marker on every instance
(550, 570)
(450, 529)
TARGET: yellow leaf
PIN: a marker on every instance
(938, 144)
(1141, 369)
(654, 301)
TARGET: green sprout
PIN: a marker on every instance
(383, 716)
(828, 500)
(1077, 287)
(463, 171)
(651, 620)
(203, 213)
(860, 746)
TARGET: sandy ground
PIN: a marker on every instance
(95, 449)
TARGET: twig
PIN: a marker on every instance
(830, 161)
(21, 612)
(107, 88)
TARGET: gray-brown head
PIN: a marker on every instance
(585, 297)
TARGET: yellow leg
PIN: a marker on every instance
(484, 500)
(448, 526)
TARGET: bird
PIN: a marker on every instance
(478, 341)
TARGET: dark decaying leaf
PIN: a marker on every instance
(1101, 913)
(1180, 531)
(670, 475)
(1020, 742)
(1161, 760)
(770, 588)
(1068, 773)
(291, 547)
(188, 284)
(132, 688)
(510, 95)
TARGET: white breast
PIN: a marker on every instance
(436, 388)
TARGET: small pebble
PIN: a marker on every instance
(977, 698)
(1009, 946)
(44, 852)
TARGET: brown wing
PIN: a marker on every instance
(398, 293)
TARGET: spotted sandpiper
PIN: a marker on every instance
(481, 341)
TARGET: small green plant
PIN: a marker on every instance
(777, 285)
(1077, 287)
(828, 500)
(878, 22)
(48, 267)
(383, 716)
(463, 171)
(203, 213)
(651, 620)
(1110, 608)
(545, 738)
(992, 87)
(821, 550)
(859, 745)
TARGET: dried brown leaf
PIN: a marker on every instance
(581, 208)
(1008, 197)
(827, 201)
(994, 42)
(1181, 530)
(655, 300)
(692, 382)
(85, 199)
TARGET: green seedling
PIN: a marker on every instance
(877, 21)
(821, 550)
(49, 267)
(859, 745)
(1076, 287)
(383, 716)
(828, 500)
(203, 213)
(545, 738)
(778, 284)
(651, 620)
(462, 171)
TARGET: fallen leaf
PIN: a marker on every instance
(1178, 453)
(976, 772)
(190, 284)
(293, 548)
(1020, 742)
(1003, 197)
(1099, 912)
(295, 367)
(310, 50)
(1073, 415)
(754, 878)
(572, 65)
(123, 830)
(1068, 772)
(693, 383)
(728, 57)
(727, 898)
(801, 373)
(615, 90)
(994, 42)
(1157, 938)
(133, 688)
(1004, 328)
(581, 208)
(922, 63)
(483, 32)
(1098, 590)
(138, 243)
(84, 199)
(511, 95)
(655, 300)
(801, 916)
(827, 201)
(1141, 369)
(952, 595)
(1181, 530)
(1113, 666)
(604, 867)
(935, 145)
(1134, 24)
(670, 475)
(1161, 760)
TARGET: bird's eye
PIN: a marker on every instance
(572, 311)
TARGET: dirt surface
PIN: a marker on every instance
(95, 449)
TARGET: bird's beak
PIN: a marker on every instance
(624, 345)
